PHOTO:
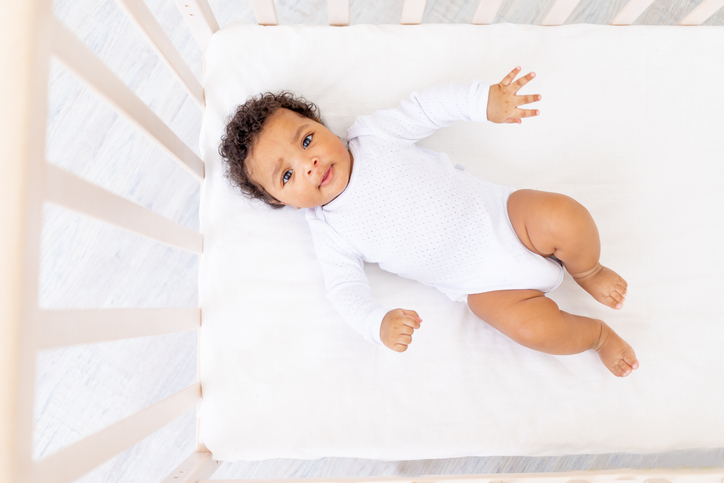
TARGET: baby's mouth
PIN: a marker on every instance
(327, 178)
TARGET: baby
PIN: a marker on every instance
(383, 199)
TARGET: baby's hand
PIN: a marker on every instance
(397, 328)
(503, 103)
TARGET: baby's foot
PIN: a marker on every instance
(604, 285)
(615, 353)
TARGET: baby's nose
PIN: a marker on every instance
(314, 165)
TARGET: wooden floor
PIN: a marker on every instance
(86, 264)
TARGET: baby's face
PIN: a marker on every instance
(299, 161)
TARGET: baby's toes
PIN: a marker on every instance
(617, 300)
(624, 368)
(623, 283)
(617, 369)
(630, 359)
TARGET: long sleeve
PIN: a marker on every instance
(355, 227)
(428, 110)
(345, 281)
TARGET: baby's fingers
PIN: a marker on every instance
(509, 78)
(522, 100)
(523, 81)
(411, 322)
(526, 113)
(404, 339)
(399, 348)
(411, 313)
(521, 113)
(402, 342)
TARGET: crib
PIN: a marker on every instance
(31, 37)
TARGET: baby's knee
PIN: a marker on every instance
(563, 208)
(535, 316)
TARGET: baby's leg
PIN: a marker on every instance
(531, 319)
(554, 224)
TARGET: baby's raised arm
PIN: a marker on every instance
(428, 110)
(432, 108)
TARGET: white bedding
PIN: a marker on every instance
(631, 126)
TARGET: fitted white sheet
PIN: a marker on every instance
(630, 125)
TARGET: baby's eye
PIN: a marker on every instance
(305, 141)
(287, 175)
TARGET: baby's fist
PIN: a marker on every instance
(397, 328)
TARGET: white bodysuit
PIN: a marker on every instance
(408, 209)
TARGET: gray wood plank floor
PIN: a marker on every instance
(86, 264)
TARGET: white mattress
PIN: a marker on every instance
(630, 126)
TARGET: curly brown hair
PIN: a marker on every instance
(243, 130)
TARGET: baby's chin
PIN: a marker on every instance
(335, 196)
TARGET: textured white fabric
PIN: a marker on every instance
(621, 130)
(409, 210)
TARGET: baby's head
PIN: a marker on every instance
(278, 150)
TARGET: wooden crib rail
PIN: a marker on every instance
(559, 12)
(60, 328)
(413, 10)
(139, 13)
(199, 19)
(199, 466)
(634, 8)
(265, 12)
(86, 66)
(24, 49)
(30, 36)
(702, 12)
(486, 11)
(338, 12)
(630, 12)
(79, 195)
(614, 476)
(73, 462)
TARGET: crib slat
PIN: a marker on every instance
(631, 11)
(486, 12)
(79, 195)
(200, 20)
(83, 63)
(60, 328)
(159, 41)
(338, 12)
(80, 458)
(709, 475)
(265, 12)
(24, 55)
(200, 465)
(702, 12)
(560, 11)
(412, 11)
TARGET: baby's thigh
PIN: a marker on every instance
(510, 311)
